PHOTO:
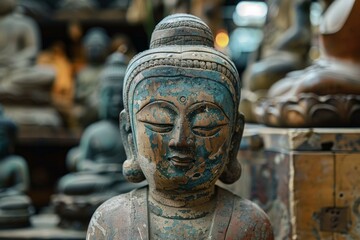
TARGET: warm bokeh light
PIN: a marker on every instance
(222, 39)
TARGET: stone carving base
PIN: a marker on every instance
(310, 110)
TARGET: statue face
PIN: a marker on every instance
(183, 129)
(111, 102)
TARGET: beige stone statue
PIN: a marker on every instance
(181, 130)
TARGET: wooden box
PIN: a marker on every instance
(307, 180)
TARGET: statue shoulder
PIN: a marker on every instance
(112, 219)
(247, 220)
(251, 219)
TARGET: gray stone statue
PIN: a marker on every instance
(99, 158)
(22, 83)
(96, 43)
(15, 206)
(181, 130)
(19, 45)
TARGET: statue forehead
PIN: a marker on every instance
(182, 91)
(168, 86)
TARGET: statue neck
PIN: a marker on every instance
(176, 205)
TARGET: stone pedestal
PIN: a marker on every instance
(44, 227)
(307, 180)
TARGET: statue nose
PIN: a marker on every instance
(182, 137)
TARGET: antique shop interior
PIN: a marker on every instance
(179, 119)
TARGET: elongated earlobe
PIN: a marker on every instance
(131, 168)
(232, 171)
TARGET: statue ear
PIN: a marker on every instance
(131, 168)
(232, 171)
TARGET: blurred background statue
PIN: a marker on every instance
(285, 48)
(15, 206)
(327, 93)
(23, 85)
(96, 44)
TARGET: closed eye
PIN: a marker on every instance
(158, 127)
(207, 131)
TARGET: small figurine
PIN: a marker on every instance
(24, 85)
(96, 44)
(18, 50)
(15, 206)
(181, 130)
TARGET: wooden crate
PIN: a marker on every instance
(307, 180)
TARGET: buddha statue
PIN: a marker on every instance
(326, 94)
(284, 49)
(15, 206)
(96, 43)
(181, 130)
(24, 85)
(97, 162)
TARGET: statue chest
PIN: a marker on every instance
(165, 228)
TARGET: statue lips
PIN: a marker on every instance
(184, 162)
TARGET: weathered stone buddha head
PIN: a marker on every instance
(111, 87)
(180, 126)
(8, 132)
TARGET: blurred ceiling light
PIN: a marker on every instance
(250, 14)
(222, 39)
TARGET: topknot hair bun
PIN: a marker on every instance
(181, 29)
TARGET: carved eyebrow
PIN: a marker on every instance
(196, 107)
(168, 105)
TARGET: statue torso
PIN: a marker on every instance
(15, 31)
(12, 171)
(126, 217)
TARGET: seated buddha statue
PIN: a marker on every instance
(24, 86)
(19, 77)
(327, 93)
(15, 206)
(97, 162)
(96, 43)
(181, 130)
